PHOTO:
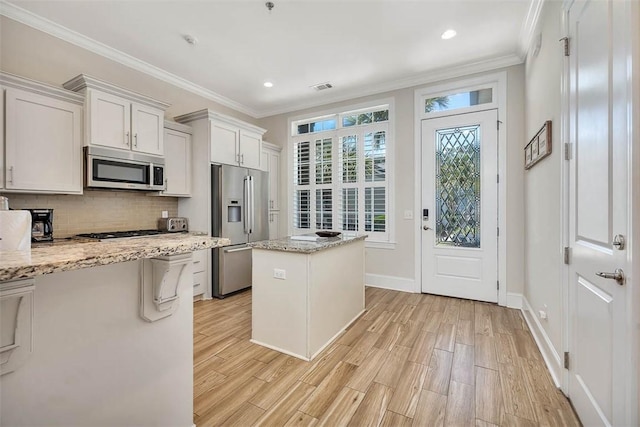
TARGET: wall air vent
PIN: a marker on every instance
(322, 86)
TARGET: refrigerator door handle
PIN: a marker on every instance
(252, 212)
(247, 205)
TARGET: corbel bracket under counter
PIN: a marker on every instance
(160, 279)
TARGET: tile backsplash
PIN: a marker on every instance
(98, 210)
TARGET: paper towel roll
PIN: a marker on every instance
(15, 230)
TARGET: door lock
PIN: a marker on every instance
(617, 275)
(618, 242)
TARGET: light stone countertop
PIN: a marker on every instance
(54, 258)
(306, 247)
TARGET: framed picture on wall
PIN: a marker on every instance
(539, 147)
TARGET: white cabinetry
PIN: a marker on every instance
(233, 142)
(206, 126)
(177, 162)
(274, 225)
(42, 138)
(120, 118)
(271, 164)
(199, 272)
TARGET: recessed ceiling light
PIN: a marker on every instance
(449, 34)
(268, 84)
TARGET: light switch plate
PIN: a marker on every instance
(408, 214)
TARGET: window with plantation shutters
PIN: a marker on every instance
(340, 173)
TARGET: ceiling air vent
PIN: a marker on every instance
(322, 86)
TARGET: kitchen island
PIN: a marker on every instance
(306, 293)
(100, 333)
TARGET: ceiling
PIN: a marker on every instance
(361, 47)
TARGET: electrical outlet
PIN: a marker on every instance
(165, 214)
(542, 314)
(408, 214)
(279, 273)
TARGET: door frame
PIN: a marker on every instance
(498, 82)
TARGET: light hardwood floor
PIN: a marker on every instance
(409, 360)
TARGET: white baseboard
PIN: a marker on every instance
(549, 354)
(514, 300)
(390, 282)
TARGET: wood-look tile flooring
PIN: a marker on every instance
(409, 360)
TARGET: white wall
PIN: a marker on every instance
(398, 264)
(543, 182)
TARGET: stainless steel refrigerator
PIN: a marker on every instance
(239, 211)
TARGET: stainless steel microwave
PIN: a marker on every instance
(108, 168)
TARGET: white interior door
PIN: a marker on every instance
(460, 206)
(598, 335)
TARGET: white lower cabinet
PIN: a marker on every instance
(274, 225)
(177, 163)
(199, 272)
(43, 143)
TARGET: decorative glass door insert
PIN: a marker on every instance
(457, 189)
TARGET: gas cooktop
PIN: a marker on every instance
(121, 234)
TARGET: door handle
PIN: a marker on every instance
(426, 227)
(230, 251)
(617, 275)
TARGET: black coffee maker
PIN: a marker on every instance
(41, 225)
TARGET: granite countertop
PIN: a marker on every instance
(307, 247)
(52, 258)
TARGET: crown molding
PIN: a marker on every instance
(212, 115)
(17, 82)
(432, 76)
(82, 82)
(178, 127)
(529, 27)
(26, 17)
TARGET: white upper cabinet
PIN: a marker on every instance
(43, 142)
(232, 141)
(146, 129)
(225, 141)
(109, 120)
(120, 118)
(177, 162)
(250, 149)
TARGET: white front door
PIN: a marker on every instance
(598, 334)
(460, 206)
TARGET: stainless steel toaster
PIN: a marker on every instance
(174, 224)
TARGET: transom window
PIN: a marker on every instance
(340, 175)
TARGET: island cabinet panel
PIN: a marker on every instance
(96, 362)
(336, 292)
(317, 296)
